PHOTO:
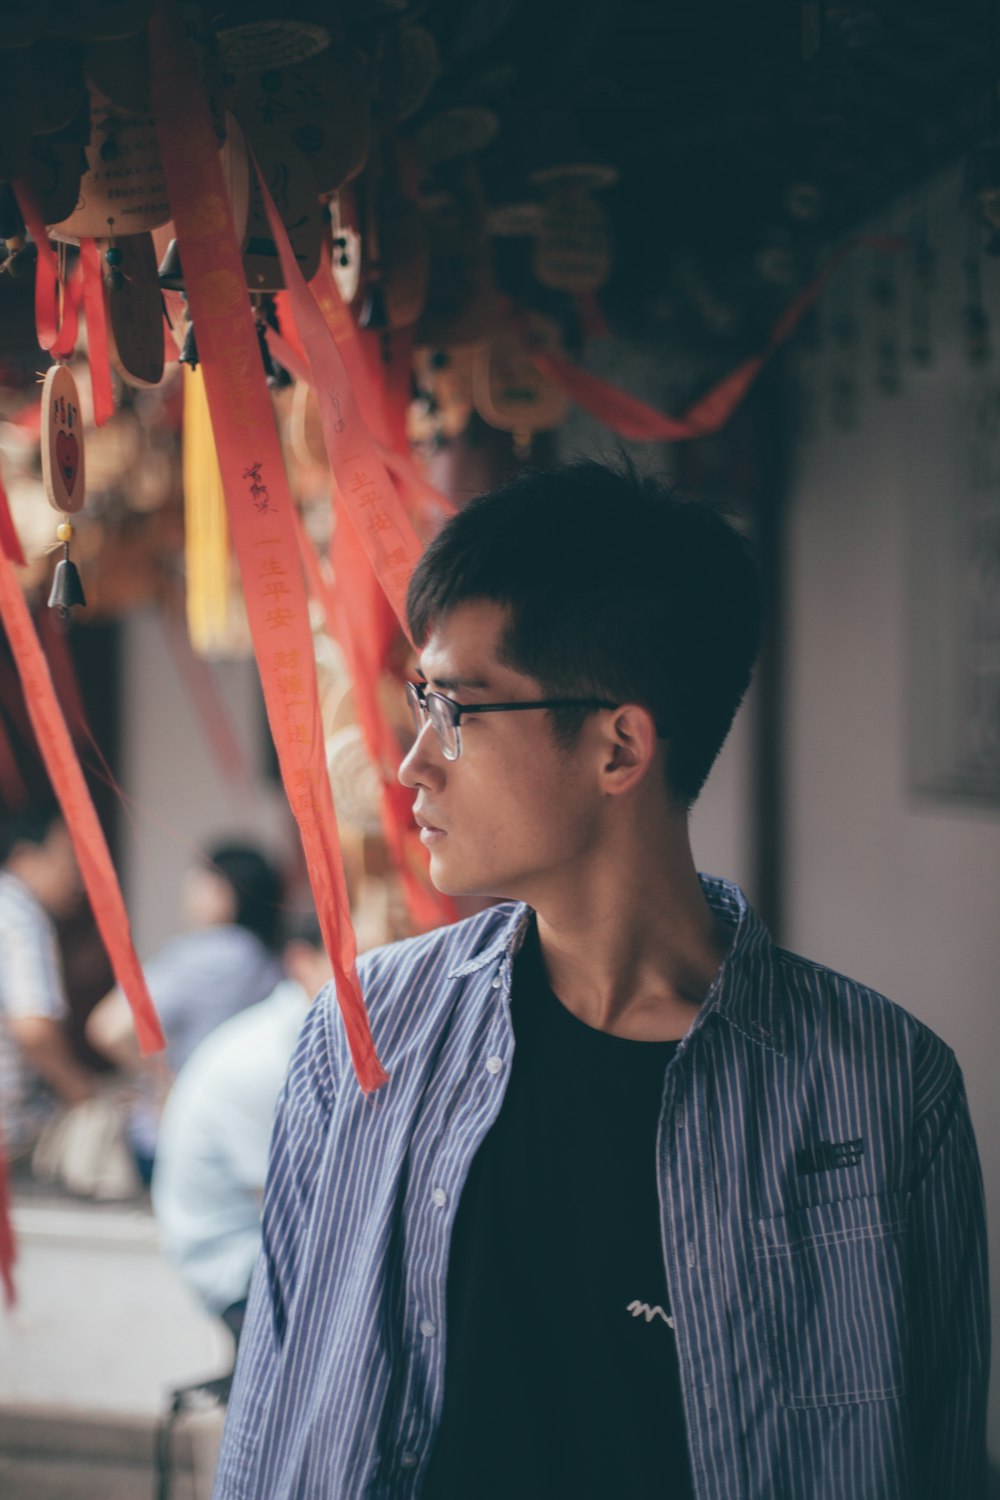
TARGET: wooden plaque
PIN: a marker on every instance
(508, 391)
(62, 441)
(293, 189)
(134, 311)
(123, 189)
(573, 249)
(54, 171)
(322, 106)
(120, 70)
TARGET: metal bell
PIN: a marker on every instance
(170, 275)
(373, 314)
(189, 353)
(67, 590)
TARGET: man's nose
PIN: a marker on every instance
(423, 763)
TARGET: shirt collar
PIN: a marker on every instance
(743, 991)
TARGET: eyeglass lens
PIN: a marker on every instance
(434, 708)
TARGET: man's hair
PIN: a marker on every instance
(257, 887)
(616, 588)
(30, 825)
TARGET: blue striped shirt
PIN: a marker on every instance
(822, 1222)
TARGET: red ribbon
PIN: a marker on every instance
(258, 500)
(370, 497)
(70, 788)
(56, 324)
(10, 542)
(633, 419)
(97, 332)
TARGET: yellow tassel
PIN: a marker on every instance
(206, 531)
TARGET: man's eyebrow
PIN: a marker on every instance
(453, 684)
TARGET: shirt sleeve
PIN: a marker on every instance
(950, 1332)
(31, 981)
(298, 1146)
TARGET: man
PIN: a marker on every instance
(39, 881)
(211, 1154)
(648, 1207)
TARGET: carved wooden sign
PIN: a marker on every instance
(62, 441)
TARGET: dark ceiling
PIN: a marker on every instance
(733, 144)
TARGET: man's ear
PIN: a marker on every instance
(630, 748)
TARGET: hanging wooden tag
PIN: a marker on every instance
(62, 441)
(119, 69)
(293, 189)
(54, 170)
(98, 20)
(60, 86)
(507, 389)
(323, 106)
(409, 69)
(279, 40)
(134, 309)
(122, 190)
(404, 257)
(461, 131)
(462, 306)
(573, 250)
(445, 377)
(346, 248)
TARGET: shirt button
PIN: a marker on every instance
(494, 1065)
(408, 1460)
(439, 1198)
(428, 1329)
(497, 982)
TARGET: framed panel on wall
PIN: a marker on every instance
(953, 602)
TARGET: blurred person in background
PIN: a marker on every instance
(224, 962)
(211, 1155)
(39, 1071)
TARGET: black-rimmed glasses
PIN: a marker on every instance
(445, 714)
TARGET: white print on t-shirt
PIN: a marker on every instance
(643, 1309)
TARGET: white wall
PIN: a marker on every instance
(177, 797)
(896, 890)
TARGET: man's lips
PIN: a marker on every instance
(427, 828)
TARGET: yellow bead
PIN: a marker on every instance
(64, 531)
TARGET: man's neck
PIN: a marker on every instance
(634, 947)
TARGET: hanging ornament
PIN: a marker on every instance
(63, 476)
(270, 35)
(844, 338)
(443, 404)
(122, 190)
(509, 392)
(572, 252)
(922, 261)
(134, 309)
(322, 107)
(293, 189)
(346, 257)
(975, 319)
(883, 292)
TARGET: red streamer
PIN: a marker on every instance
(632, 418)
(97, 332)
(258, 500)
(370, 498)
(56, 306)
(70, 788)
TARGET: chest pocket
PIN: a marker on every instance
(832, 1278)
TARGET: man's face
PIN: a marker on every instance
(515, 815)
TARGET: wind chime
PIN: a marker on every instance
(63, 477)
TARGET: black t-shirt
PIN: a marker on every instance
(561, 1377)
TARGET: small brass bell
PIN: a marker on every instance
(67, 590)
(189, 353)
(170, 275)
(373, 314)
